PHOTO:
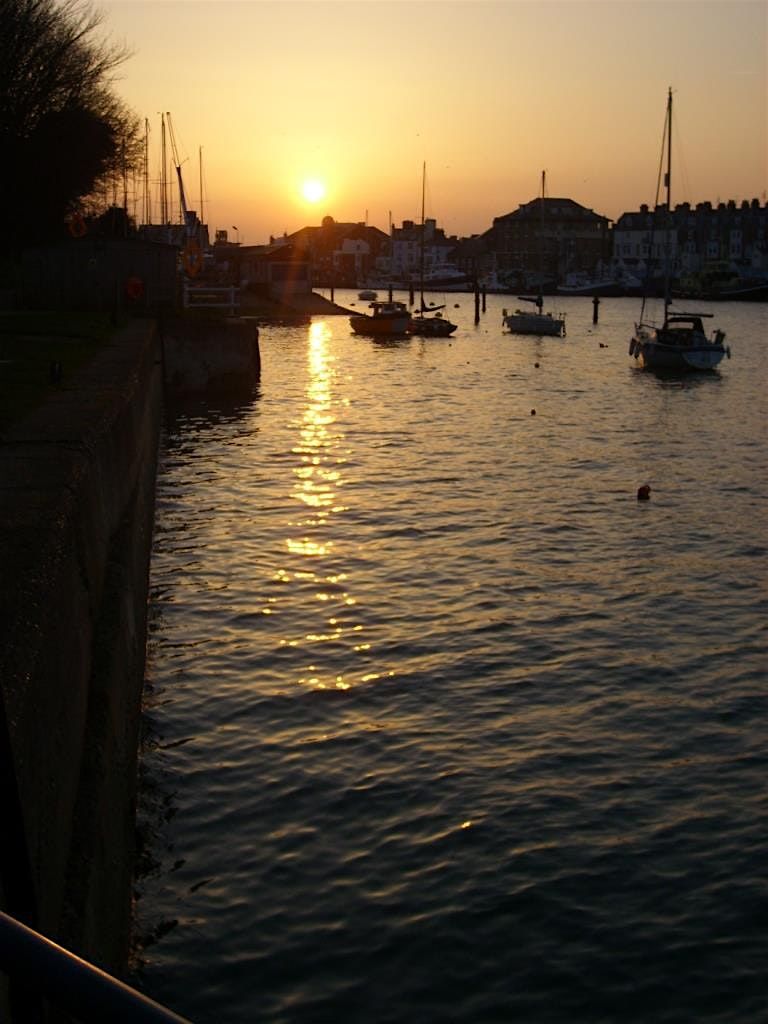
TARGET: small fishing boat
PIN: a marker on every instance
(387, 319)
(680, 343)
(367, 293)
(529, 321)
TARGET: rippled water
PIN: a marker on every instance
(448, 725)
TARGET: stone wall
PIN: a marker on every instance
(76, 508)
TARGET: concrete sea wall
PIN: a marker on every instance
(210, 355)
(77, 483)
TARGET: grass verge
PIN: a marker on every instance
(39, 350)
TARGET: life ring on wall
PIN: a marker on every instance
(134, 288)
(76, 225)
(193, 258)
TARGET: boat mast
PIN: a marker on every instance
(421, 260)
(163, 175)
(540, 295)
(200, 163)
(668, 183)
(147, 210)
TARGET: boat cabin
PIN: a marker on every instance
(384, 308)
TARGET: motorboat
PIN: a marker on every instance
(367, 293)
(387, 319)
(579, 283)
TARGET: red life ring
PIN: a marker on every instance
(134, 288)
(193, 258)
(77, 226)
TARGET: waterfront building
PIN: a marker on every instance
(278, 271)
(406, 246)
(730, 237)
(548, 238)
(341, 254)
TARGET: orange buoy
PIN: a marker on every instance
(644, 492)
(76, 225)
(134, 288)
(193, 258)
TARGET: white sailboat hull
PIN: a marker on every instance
(521, 322)
(658, 349)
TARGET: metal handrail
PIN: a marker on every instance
(89, 994)
(213, 297)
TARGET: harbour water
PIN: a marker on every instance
(443, 723)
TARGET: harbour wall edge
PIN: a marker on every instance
(77, 486)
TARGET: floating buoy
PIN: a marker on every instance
(536, 365)
(644, 492)
(533, 412)
(602, 345)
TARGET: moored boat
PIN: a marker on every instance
(538, 322)
(432, 326)
(387, 319)
(428, 322)
(680, 343)
(523, 321)
(578, 284)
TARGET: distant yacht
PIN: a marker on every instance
(580, 283)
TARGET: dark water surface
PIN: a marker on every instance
(448, 725)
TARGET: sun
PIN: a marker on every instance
(313, 190)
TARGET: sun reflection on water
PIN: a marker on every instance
(317, 478)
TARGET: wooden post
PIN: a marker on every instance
(484, 298)
(595, 304)
(477, 303)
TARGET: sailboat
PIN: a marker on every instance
(433, 325)
(535, 322)
(681, 342)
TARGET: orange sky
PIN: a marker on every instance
(356, 95)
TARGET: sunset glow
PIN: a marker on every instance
(335, 87)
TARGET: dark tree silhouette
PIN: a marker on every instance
(64, 135)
